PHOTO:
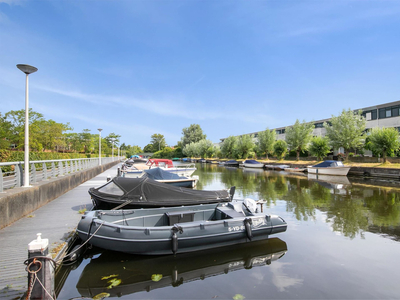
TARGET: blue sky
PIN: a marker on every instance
(137, 68)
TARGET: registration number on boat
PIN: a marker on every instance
(236, 228)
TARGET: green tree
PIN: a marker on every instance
(192, 134)
(280, 149)
(16, 119)
(5, 132)
(148, 148)
(319, 147)
(228, 147)
(206, 148)
(245, 146)
(346, 130)
(383, 141)
(298, 136)
(265, 142)
(158, 142)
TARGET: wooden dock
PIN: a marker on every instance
(56, 221)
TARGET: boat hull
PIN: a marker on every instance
(258, 166)
(339, 171)
(160, 240)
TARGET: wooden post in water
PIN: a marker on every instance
(40, 270)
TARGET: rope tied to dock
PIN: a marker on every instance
(35, 261)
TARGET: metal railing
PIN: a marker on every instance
(11, 173)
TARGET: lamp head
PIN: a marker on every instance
(27, 69)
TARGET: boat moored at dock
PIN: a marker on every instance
(177, 229)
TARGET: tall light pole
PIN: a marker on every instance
(99, 145)
(112, 151)
(27, 69)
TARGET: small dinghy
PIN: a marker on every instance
(146, 193)
(178, 229)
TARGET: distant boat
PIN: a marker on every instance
(281, 167)
(231, 163)
(163, 176)
(329, 167)
(136, 170)
(295, 169)
(180, 229)
(251, 163)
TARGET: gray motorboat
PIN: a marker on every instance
(171, 230)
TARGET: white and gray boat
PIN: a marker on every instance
(171, 230)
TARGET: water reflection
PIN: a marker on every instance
(121, 274)
(351, 206)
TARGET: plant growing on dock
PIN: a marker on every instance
(298, 136)
(346, 130)
(383, 141)
(280, 149)
(319, 147)
(265, 142)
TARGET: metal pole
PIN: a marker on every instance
(99, 145)
(27, 69)
(112, 151)
(26, 144)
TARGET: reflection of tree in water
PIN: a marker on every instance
(208, 173)
(347, 215)
(351, 209)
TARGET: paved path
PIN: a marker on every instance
(56, 220)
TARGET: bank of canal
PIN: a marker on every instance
(342, 242)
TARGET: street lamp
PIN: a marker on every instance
(27, 69)
(99, 145)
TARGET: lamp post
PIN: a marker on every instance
(99, 145)
(112, 151)
(27, 69)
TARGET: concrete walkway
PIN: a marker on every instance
(55, 221)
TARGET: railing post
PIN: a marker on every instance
(60, 168)
(53, 170)
(1, 181)
(44, 171)
(18, 177)
(33, 168)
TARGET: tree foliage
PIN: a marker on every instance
(192, 134)
(280, 149)
(228, 147)
(244, 147)
(346, 130)
(158, 142)
(298, 136)
(265, 142)
(384, 141)
(319, 147)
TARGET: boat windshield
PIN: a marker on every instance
(111, 188)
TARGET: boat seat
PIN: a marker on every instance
(231, 211)
(179, 217)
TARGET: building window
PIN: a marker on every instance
(318, 125)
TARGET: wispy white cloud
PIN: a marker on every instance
(166, 107)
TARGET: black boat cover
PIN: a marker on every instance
(145, 192)
(160, 174)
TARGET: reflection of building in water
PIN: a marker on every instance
(144, 273)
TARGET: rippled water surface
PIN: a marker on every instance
(342, 242)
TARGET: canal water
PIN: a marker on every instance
(342, 242)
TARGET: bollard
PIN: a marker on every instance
(40, 270)
(119, 172)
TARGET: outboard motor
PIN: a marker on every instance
(250, 205)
